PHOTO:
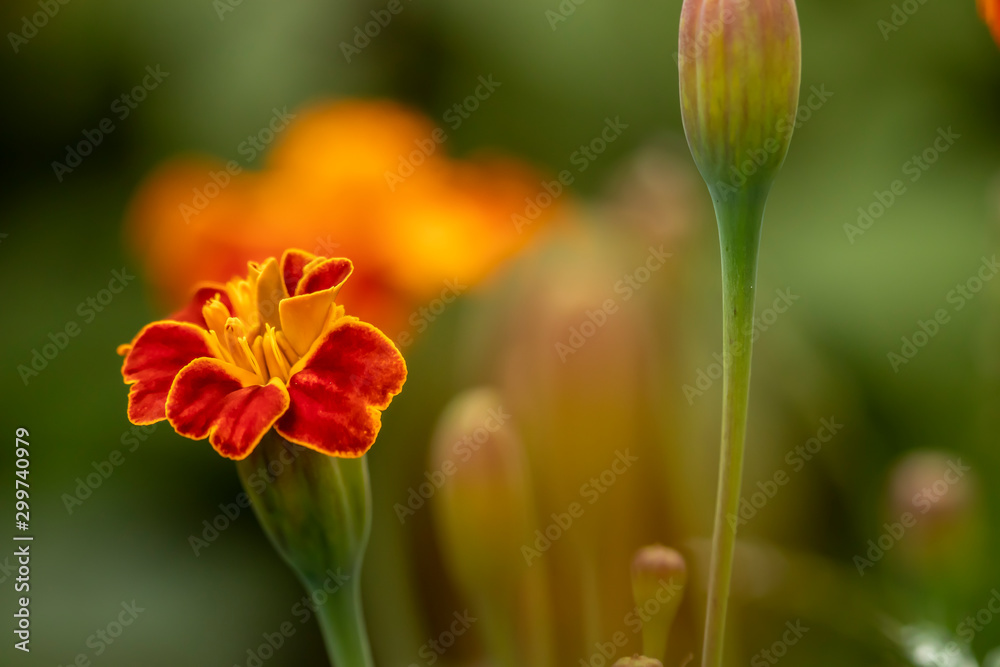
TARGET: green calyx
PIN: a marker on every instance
(316, 510)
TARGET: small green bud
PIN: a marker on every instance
(659, 576)
(740, 67)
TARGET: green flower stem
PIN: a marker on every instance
(739, 217)
(343, 624)
(538, 618)
(500, 633)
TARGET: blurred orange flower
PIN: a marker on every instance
(990, 10)
(363, 179)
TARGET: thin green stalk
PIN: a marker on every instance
(739, 219)
(591, 599)
(343, 624)
(500, 632)
(540, 651)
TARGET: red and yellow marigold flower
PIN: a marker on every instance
(269, 350)
(990, 11)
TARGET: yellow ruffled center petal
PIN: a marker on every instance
(269, 331)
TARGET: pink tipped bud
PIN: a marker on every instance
(740, 64)
(659, 576)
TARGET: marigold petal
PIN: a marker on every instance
(153, 360)
(203, 294)
(293, 264)
(270, 292)
(331, 274)
(303, 317)
(339, 389)
(213, 399)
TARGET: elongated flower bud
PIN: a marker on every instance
(740, 63)
(484, 513)
(740, 66)
(659, 576)
(482, 510)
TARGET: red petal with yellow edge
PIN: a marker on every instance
(210, 399)
(152, 362)
(332, 273)
(192, 312)
(304, 316)
(346, 380)
(293, 264)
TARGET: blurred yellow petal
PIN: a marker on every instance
(990, 11)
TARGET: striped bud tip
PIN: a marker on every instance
(740, 63)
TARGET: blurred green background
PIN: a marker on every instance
(62, 240)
